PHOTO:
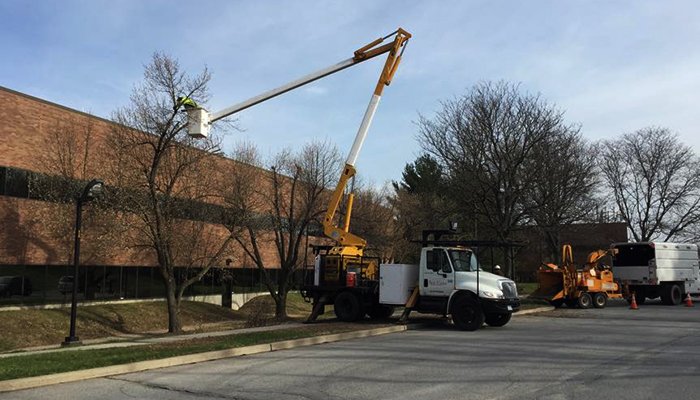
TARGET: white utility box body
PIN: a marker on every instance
(396, 282)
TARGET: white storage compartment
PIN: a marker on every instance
(396, 282)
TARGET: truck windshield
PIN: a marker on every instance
(633, 255)
(463, 260)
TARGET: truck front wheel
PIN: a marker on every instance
(347, 307)
(467, 314)
(497, 319)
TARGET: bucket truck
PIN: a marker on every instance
(357, 285)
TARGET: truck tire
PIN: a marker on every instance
(497, 319)
(381, 311)
(600, 300)
(347, 307)
(671, 295)
(467, 314)
(585, 300)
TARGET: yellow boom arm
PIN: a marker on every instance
(395, 49)
(200, 120)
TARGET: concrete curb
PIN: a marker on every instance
(65, 377)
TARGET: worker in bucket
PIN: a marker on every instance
(184, 101)
(497, 270)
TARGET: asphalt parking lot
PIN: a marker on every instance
(650, 353)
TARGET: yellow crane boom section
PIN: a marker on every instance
(200, 120)
(349, 243)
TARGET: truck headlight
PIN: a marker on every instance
(491, 295)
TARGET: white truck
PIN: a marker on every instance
(657, 269)
(449, 282)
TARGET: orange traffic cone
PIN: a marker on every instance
(688, 301)
(633, 303)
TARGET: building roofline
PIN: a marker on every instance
(108, 121)
(50, 103)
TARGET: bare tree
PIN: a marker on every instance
(277, 209)
(168, 180)
(655, 182)
(372, 220)
(562, 185)
(70, 156)
(484, 140)
(68, 147)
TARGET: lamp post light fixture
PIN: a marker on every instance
(92, 190)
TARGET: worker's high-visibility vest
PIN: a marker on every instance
(187, 102)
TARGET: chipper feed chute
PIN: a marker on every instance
(551, 284)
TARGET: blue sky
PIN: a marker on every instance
(613, 66)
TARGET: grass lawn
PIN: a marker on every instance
(526, 287)
(30, 328)
(22, 366)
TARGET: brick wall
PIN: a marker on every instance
(26, 128)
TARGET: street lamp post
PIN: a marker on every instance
(92, 190)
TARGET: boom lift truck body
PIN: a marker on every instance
(350, 281)
(349, 248)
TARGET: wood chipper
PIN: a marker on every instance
(590, 286)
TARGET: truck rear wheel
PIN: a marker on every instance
(497, 319)
(347, 307)
(671, 295)
(467, 314)
(585, 300)
(600, 300)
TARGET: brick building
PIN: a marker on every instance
(30, 247)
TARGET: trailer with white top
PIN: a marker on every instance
(657, 269)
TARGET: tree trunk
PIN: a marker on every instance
(173, 308)
(553, 245)
(281, 305)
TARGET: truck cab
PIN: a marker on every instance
(452, 283)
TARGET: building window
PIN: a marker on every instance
(14, 182)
